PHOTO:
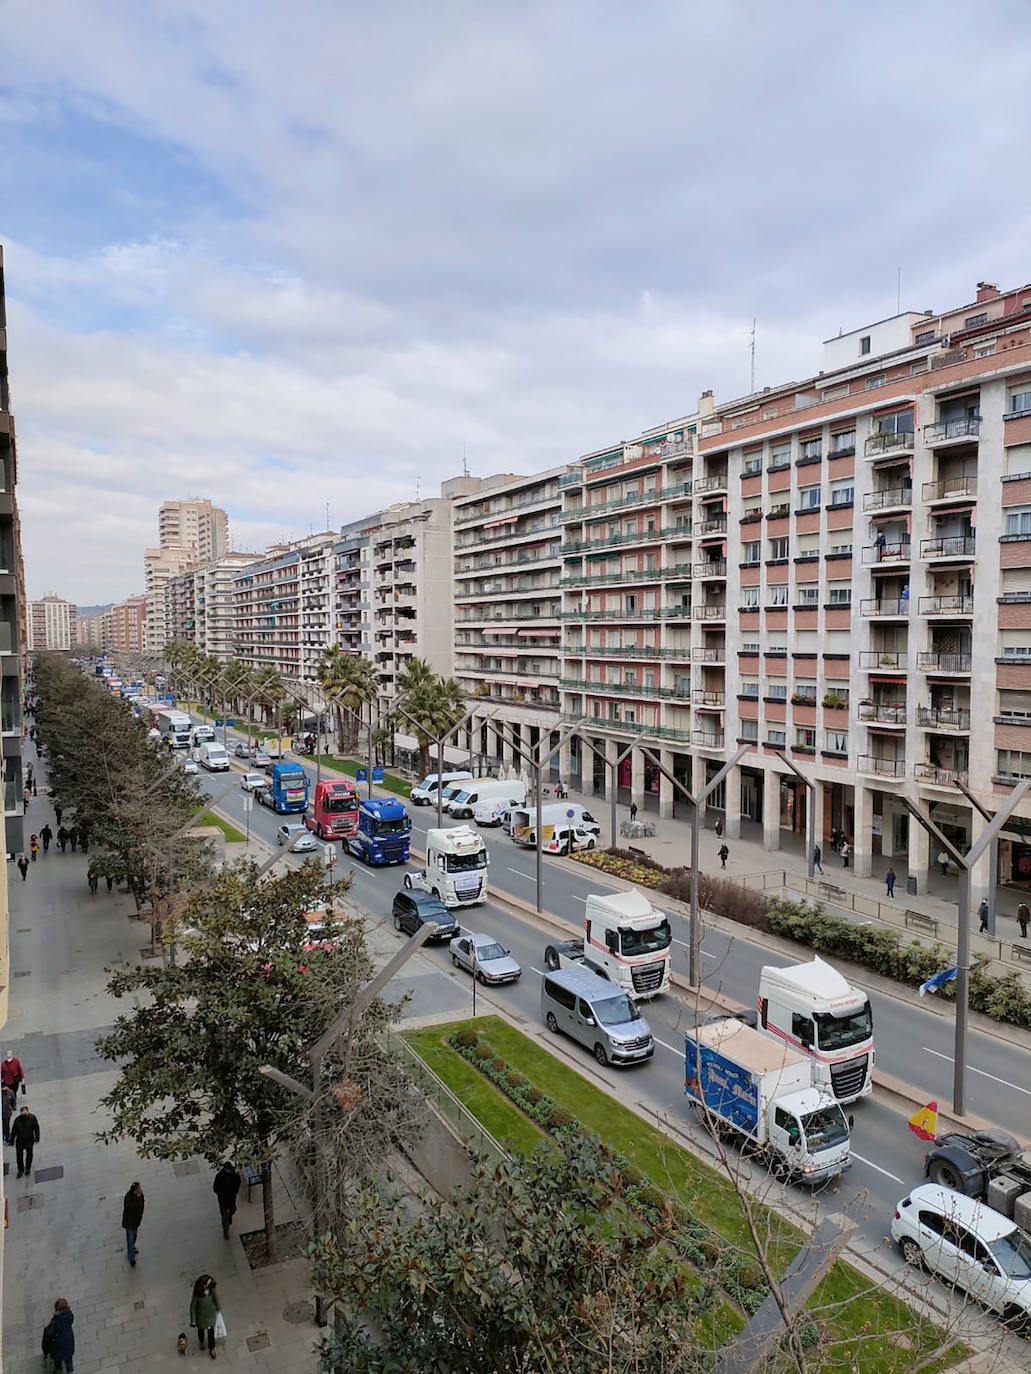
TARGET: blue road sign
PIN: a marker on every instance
(362, 775)
(230, 722)
(217, 723)
(377, 774)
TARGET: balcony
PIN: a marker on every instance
(586, 512)
(882, 659)
(947, 605)
(632, 727)
(651, 613)
(890, 498)
(952, 431)
(881, 768)
(705, 740)
(943, 718)
(708, 655)
(680, 571)
(951, 488)
(885, 607)
(706, 485)
(882, 713)
(708, 699)
(948, 546)
(950, 664)
(717, 612)
(647, 651)
(622, 689)
(679, 531)
(716, 567)
(889, 554)
(939, 777)
(882, 444)
(571, 479)
(705, 528)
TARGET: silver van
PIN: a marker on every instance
(598, 1014)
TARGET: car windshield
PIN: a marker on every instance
(485, 953)
(838, 1032)
(462, 863)
(1013, 1253)
(401, 826)
(616, 1011)
(825, 1127)
(646, 941)
(344, 801)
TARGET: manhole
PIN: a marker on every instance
(258, 1342)
(48, 1175)
(31, 1202)
(139, 1305)
(298, 1312)
(185, 1166)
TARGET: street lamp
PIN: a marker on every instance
(439, 742)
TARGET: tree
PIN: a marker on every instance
(247, 994)
(349, 682)
(432, 705)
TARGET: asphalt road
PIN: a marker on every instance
(913, 1044)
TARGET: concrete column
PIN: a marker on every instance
(637, 778)
(920, 855)
(564, 766)
(815, 799)
(732, 827)
(862, 840)
(666, 789)
(697, 784)
(771, 809)
(978, 884)
(612, 748)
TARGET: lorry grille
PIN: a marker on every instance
(648, 977)
(467, 884)
(847, 1079)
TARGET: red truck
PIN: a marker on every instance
(334, 811)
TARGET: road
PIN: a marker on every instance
(912, 1043)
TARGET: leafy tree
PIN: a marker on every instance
(431, 704)
(349, 682)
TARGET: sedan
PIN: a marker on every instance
(189, 766)
(297, 838)
(250, 782)
(262, 760)
(412, 910)
(242, 750)
(483, 957)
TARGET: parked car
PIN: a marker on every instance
(484, 958)
(412, 910)
(297, 837)
(970, 1246)
(250, 782)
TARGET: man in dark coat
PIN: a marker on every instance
(46, 835)
(24, 1137)
(62, 837)
(226, 1187)
(132, 1215)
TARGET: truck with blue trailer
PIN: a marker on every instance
(746, 1085)
(384, 832)
(286, 790)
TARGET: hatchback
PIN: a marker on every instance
(297, 837)
(412, 910)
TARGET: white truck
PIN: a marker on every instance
(523, 820)
(745, 1085)
(626, 940)
(813, 1010)
(456, 867)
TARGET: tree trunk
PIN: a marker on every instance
(267, 1210)
(424, 759)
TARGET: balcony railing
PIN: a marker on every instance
(716, 526)
(943, 717)
(708, 655)
(705, 740)
(950, 488)
(882, 768)
(879, 444)
(890, 552)
(882, 658)
(708, 698)
(681, 570)
(884, 606)
(624, 651)
(888, 497)
(708, 484)
(651, 613)
(948, 546)
(715, 567)
(944, 663)
(621, 502)
(623, 689)
(711, 612)
(468, 517)
(632, 727)
(946, 605)
(571, 479)
(680, 531)
(967, 428)
(940, 777)
(883, 713)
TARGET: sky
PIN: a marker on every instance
(313, 256)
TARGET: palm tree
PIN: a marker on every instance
(237, 681)
(432, 705)
(268, 689)
(349, 683)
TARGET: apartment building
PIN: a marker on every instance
(51, 623)
(180, 593)
(214, 628)
(196, 525)
(282, 607)
(352, 598)
(124, 625)
(13, 638)
(159, 566)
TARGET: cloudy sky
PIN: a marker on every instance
(285, 255)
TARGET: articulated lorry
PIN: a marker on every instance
(384, 832)
(286, 790)
(990, 1165)
(625, 940)
(746, 1086)
(334, 810)
(813, 1010)
(456, 867)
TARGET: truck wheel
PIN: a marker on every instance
(408, 880)
(397, 922)
(601, 1056)
(550, 958)
(552, 1023)
(911, 1252)
(318, 831)
(946, 1175)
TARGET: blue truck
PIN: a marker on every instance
(384, 832)
(287, 789)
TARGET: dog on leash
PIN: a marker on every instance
(182, 1345)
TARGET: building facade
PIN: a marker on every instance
(159, 565)
(180, 620)
(13, 639)
(282, 607)
(51, 623)
(196, 525)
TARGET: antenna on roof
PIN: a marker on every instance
(751, 349)
(898, 294)
(465, 464)
(418, 488)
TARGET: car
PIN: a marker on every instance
(262, 760)
(970, 1246)
(242, 750)
(297, 838)
(189, 766)
(251, 782)
(412, 910)
(482, 956)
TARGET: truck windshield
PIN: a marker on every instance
(645, 941)
(346, 801)
(616, 1011)
(825, 1127)
(838, 1032)
(401, 826)
(1013, 1253)
(462, 863)
(295, 779)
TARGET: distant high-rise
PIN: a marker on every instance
(190, 533)
(51, 623)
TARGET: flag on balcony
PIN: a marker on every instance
(938, 980)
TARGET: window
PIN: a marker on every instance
(750, 687)
(806, 688)
(812, 448)
(778, 548)
(753, 463)
(985, 350)
(750, 598)
(843, 493)
(836, 741)
(630, 603)
(809, 497)
(840, 594)
(749, 729)
(777, 689)
(748, 647)
(841, 549)
(630, 677)
(864, 345)
(750, 551)
(1020, 402)
(778, 596)
(873, 382)
(973, 321)
(780, 456)
(839, 691)
(1011, 763)
(776, 736)
(846, 439)
(808, 596)
(1018, 521)
(804, 737)
(835, 393)
(928, 336)
(753, 511)
(921, 365)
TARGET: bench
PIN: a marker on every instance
(1021, 951)
(916, 920)
(251, 1177)
(832, 891)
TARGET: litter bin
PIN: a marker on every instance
(911, 884)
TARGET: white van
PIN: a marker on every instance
(523, 819)
(213, 757)
(202, 733)
(463, 807)
(493, 810)
(596, 1013)
(425, 793)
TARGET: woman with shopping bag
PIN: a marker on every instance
(206, 1313)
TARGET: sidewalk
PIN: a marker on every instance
(65, 1237)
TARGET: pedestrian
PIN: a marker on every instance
(6, 1107)
(633, 811)
(93, 879)
(724, 854)
(889, 882)
(226, 1187)
(204, 1310)
(62, 837)
(26, 795)
(1023, 916)
(24, 1137)
(32, 784)
(83, 839)
(59, 1338)
(982, 912)
(835, 839)
(12, 1075)
(23, 867)
(132, 1215)
(818, 857)
(844, 851)
(33, 846)
(46, 835)
(58, 812)
(718, 827)
(943, 862)
(109, 880)
(73, 837)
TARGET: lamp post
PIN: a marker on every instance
(613, 767)
(438, 741)
(993, 856)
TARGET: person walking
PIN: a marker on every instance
(73, 836)
(982, 912)
(23, 867)
(12, 1076)
(132, 1215)
(46, 835)
(889, 882)
(226, 1188)
(943, 862)
(62, 838)
(724, 854)
(109, 880)
(6, 1107)
(844, 851)
(718, 827)
(32, 784)
(58, 812)
(26, 795)
(93, 879)
(633, 811)
(59, 1338)
(204, 1310)
(818, 857)
(83, 838)
(34, 846)
(1023, 917)
(24, 1138)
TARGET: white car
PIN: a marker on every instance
(189, 766)
(482, 956)
(251, 782)
(296, 836)
(970, 1246)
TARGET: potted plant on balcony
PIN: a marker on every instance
(833, 702)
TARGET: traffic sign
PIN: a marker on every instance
(248, 802)
(377, 774)
(362, 775)
(217, 723)
(570, 814)
(330, 852)
(230, 722)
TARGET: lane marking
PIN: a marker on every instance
(984, 1074)
(870, 1164)
(518, 872)
(705, 953)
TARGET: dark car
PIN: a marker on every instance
(412, 910)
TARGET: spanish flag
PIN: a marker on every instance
(924, 1123)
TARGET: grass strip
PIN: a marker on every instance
(391, 782)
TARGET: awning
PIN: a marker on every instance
(500, 629)
(531, 685)
(881, 678)
(541, 630)
(508, 520)
(503, 653)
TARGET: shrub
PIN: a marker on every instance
(533, 1094)
(559, 1116)
(751, 1276)
(632, 1176)
(652, 1197)
(484, 1050)
(466, 1038)
(515, 1079)
(498, 1064)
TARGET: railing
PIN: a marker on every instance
(881, 658)
(950, 486)
(707, 698)
(718, 612)
(681, 531)
(717, 526)
(652, 613)
(944, 663)
(708, 655)
(948, 546)
(946, 605)
(510, 532)
(476, 594)
(681, 570)
(883, 713)
(707, 741)
(940, 777)
(705, 484)
(621, 502)
(455, 1112)
(887, 442)
(896, 552)
(967, 428)
(524, 560)
(488, 615)
(716, 567)
(571, 479)
(943, 717)
(889, 496)
(627, 689)
(524, 503)
(882, 768)
(632, 727)
(624, 651)
(884, 606)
